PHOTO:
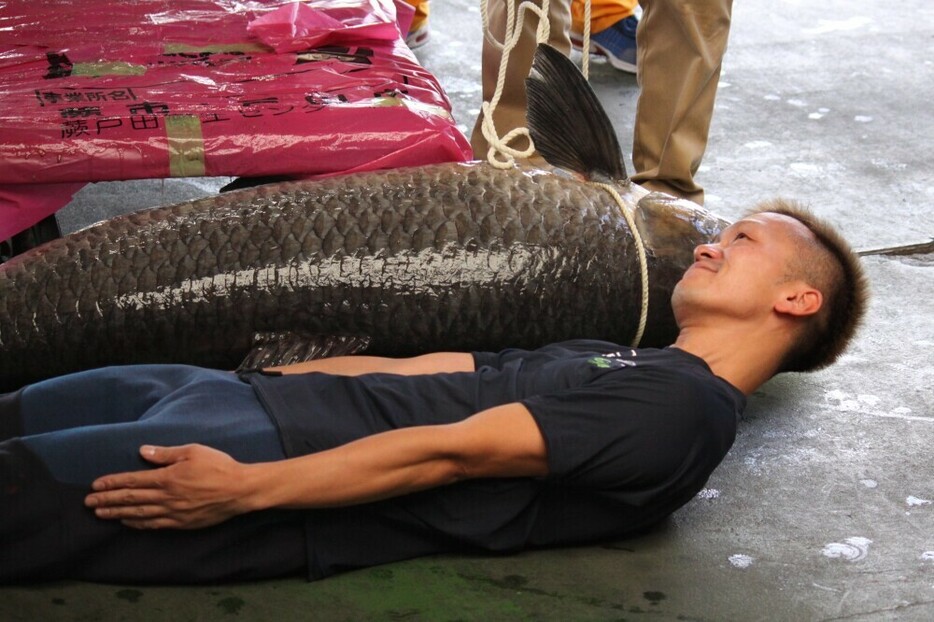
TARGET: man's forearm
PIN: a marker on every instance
(438, 362)
(199, 486)
(500, 442)
(391, 464)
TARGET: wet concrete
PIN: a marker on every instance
(823, 508)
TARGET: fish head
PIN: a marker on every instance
(671, 228)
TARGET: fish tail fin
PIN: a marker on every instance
(568, 125)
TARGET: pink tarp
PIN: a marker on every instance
(94, 90)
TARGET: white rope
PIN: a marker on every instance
(500, 154)
(499, 146)
(643, 262)
(585, 48)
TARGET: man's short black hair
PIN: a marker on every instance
(827, 263)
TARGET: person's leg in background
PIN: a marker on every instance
(681, 44)
(510, 112)
(612, 30)
(679, 53)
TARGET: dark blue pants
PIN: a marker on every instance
(57, 436)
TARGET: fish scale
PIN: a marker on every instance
(487, 258)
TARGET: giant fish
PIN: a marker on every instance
(446, 257)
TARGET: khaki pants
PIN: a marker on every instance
(681, 45)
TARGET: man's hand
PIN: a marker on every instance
(197, 487)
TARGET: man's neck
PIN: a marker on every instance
(744, 358)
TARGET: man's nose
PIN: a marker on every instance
(707, 251)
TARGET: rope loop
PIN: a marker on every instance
(500, 153)
(643, 261)
(502, 156)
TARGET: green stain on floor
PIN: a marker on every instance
(421, 589)
(538, 586)
(453, 590)
(231, 605)
(131, 596)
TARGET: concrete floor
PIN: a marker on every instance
(823, 509)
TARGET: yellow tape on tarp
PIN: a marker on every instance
(186, 145)
(215, 48)
(107, 68)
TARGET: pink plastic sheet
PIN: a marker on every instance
(94, 90)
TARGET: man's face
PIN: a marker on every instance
(744, 272)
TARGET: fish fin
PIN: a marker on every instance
(568, 125)
(271, 349)
(251, 182)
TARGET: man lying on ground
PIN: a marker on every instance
(355, 461)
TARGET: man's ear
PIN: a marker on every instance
(800, 299)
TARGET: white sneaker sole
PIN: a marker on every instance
(417, 39)
(598, 50)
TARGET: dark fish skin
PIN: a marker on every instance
(445, 257)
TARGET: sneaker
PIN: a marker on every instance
(617, 43)
(418, 37)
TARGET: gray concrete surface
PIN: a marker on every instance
(823, 508)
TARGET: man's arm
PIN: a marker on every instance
(438, 362)
(199, 486)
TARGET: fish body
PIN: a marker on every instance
(445, 257)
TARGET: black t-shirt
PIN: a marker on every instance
(631, 436)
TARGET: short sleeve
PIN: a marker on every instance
(632, 431)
